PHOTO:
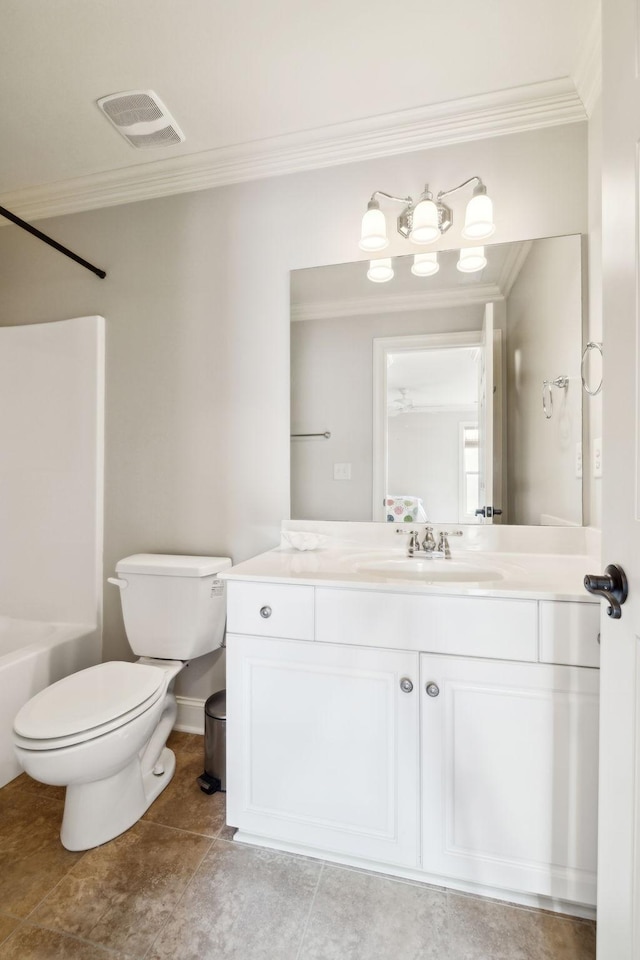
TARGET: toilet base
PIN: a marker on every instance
(99, 811)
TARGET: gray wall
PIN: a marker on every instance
(196, 304)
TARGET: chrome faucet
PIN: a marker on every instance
(428, 548)
(429, 543)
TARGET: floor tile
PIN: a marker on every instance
(357, 916)
(32, 859)
(183, 804)
(119, 895)
(7, 926)
(244, 903)
(33, 943)
(27, 785)
(487, 930)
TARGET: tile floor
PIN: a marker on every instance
(175, 887)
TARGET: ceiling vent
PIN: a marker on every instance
(142, 118)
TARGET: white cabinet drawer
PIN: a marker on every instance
(462, 626)
(267, 609)
(569, 633)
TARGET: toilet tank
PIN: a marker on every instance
(174, 607)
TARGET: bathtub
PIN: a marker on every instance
(33, 655)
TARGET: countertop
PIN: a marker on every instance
(541, 576)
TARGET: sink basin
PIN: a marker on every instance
(429, 571)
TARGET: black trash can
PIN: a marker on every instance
(215, 744)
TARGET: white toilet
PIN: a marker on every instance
(102, 732)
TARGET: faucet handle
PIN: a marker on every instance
(414, 540)
(443, 542)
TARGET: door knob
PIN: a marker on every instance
(406, 685)
(612, 586)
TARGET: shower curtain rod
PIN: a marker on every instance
(52, 243)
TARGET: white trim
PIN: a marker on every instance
(377, 303)
(463, 516)
(190, 717)
(587, 73)
(381, 347)
(531, 107)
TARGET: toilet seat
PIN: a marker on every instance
(88, 704)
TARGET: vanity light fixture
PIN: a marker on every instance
(380, 270)
(471, 260)
(425, 264)
(426, 219)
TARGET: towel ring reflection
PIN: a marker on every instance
(592, 345)
(547, 394)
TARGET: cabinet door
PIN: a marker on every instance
(510, 775)
(322, 746)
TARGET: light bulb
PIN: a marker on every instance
(478, 221)
(471, 260)
(380, 270)
(425, 264)
(374, 229)
(424, 228)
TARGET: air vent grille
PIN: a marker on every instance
(141, 118)
(159, 138)
(139, 108)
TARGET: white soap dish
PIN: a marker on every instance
(303, 540)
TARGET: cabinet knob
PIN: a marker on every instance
(433, 690)
(265, 612)
(406, 685)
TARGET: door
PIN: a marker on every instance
(619, 820)
(323, 747)
(509, 786)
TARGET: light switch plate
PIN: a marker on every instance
(597, 458)
(342, 471)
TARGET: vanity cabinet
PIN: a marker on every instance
(335, 745)
(510, 775)
(322, 746)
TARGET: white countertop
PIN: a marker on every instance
(542, 576)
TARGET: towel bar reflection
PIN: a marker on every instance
(592, 345)
(547, 395)
(326, 435)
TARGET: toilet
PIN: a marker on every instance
(102, 732)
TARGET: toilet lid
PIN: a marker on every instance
(89, 699)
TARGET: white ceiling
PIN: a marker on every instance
(249, 71)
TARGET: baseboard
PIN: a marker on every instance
(190, 717)
(537, 901)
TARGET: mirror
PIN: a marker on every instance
(454, 398)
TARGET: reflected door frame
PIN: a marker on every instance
(382, 347)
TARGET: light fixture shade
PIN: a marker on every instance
(374, 230)
(478, 221)
(380, 270)
(425, 264)
(424, 228)
(471, 260)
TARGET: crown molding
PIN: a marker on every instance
(379, 303)
(518, 109)
(587, 73)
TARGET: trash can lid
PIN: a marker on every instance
(216, 705)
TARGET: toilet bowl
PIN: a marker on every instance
(102, 732)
